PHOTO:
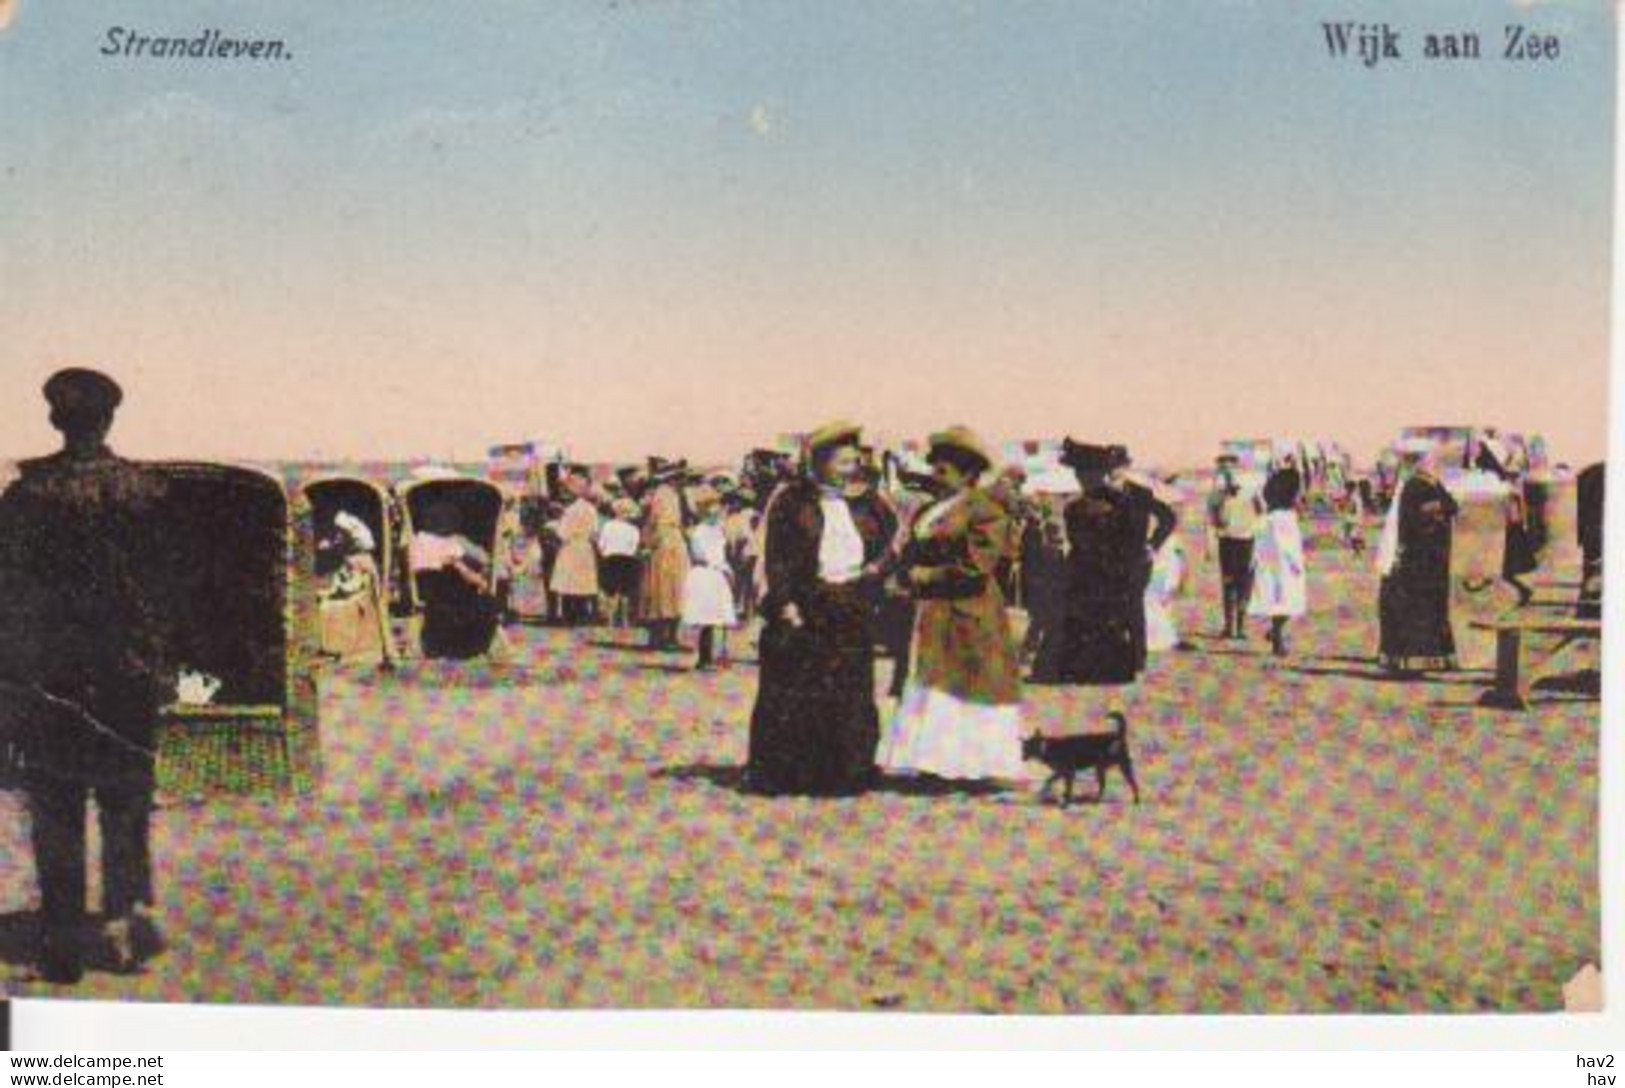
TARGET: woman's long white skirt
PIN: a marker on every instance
(1280, 578)
(936, 733)
(1161, 625)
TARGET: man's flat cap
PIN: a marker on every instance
(79, 389)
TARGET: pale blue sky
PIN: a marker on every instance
(689, 225)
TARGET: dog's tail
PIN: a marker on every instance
(1120, 719)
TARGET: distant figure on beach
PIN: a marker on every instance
(740, 522)
(959, 717)
(1234, 513)
(1414, 561)
(1350, 506)
(1166, 585)
(575, 571)
(1280, 590)
(815, 725)
(83, 665)
(618, 564)
(1525, 537)
(665, 548)
(708, 597)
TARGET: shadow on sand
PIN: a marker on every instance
(1382, 676)
(731, 777)
(628, 647)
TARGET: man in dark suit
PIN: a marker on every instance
(82, 664)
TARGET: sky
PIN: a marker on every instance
(687, 226)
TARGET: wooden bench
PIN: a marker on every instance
(1512, 675)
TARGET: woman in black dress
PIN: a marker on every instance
(1112, 540)
(815, 726)
(1414, 600)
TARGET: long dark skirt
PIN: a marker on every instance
(815, 727)
(1414, 612)
(894, 630)
(1102, 642)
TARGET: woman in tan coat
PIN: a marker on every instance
(960, 714)
(666, 547)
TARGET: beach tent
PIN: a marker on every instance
(327, 497)
(234, 584)
(330, 494)
(480, 507)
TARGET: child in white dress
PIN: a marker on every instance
(708, 597)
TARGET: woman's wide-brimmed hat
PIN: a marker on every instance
(961, 440)
(838, 433)
(1087, 457)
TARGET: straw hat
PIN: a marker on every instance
(838, 433)
(962, 440)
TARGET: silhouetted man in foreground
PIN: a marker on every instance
(81, 664)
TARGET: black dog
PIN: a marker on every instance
(1066, 756)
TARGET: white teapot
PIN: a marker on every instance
(196, 688)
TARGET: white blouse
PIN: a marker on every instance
(840, 548)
